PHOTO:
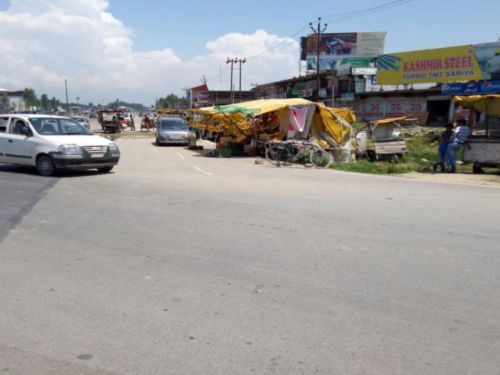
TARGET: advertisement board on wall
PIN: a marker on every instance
(203, 97)
(338, 46)
(471, 88)
(454, 64)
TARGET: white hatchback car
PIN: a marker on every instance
(51, 142)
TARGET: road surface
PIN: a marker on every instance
(180, 264)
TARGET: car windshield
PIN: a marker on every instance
(58, 126)
(173, 125)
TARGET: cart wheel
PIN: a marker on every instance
(477, 169)
(394, 159)
(371, 156)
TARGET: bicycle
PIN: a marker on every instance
(283, 153)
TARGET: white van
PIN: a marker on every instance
(50, 143)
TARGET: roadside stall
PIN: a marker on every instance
(246, 127)
(382, 140)
(482, 150)
(110, 121)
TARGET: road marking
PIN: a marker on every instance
(202, 171)
(181, 156)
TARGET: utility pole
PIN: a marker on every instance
(232, 61)
(240, 61)
(318, 71)
(67, 100)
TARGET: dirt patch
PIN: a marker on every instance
(490, 179)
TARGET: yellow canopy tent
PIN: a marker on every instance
(489, 104)
(334, 121)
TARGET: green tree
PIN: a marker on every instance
(171, 101)
(44, 102)
(30, 98)
(4, 102)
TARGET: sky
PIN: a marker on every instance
(140, 50)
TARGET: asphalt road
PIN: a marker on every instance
(180, 264)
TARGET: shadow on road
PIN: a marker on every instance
(31, 171)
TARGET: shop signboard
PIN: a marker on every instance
(374, 108)
(203, 97)
(396, 107)
(339, 46)
(347, 98)
(345, 66)
(305, 93)
(475, 62)
(471, 88)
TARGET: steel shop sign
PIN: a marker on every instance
(454, 64)
(471, 88)
(339, 46)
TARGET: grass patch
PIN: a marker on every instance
(421, 148)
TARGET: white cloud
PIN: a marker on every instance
(42, 42)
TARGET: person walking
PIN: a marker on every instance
(457, 141)
(444, 141)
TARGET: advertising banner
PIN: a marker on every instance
(454, 64)
(203, 97)
(471, 88)
(338, 46)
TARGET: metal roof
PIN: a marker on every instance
(221, 87)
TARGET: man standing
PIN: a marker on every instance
(460, 135)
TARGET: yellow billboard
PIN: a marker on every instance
(442, 65)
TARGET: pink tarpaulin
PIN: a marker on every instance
(297, 123)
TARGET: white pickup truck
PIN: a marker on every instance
(50, 143)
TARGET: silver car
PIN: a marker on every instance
(173, 131)
(82, 121)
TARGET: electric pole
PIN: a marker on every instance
(240, 61)
(318, 71)
(231, 61)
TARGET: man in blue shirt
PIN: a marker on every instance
(458, 139)
(444, 140)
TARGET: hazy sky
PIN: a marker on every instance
(137, 50)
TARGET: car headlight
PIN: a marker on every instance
(113, 147)
(69, 149)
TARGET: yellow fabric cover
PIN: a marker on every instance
(489, 104)
(340, 133)
(388, 120)
(264, 105)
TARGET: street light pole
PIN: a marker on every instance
(318, 66)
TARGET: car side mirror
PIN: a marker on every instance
(26, 131)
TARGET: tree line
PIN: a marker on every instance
(45, 103)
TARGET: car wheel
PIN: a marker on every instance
(45, 166)
(158, 142)
(105, 169)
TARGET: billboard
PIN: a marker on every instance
(453, 64)
(471, 88)
(338, 46)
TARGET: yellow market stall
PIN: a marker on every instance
(248, 125)
(482, 151)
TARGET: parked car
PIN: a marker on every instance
(173, 131)
(52, 142)
(83, 121)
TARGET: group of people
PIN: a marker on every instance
(451, 141)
